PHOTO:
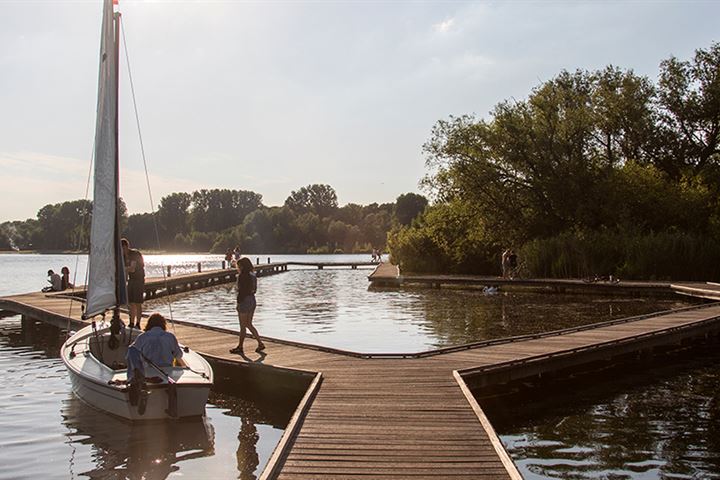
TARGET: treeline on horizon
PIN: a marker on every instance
(213, 220)
(595, 173)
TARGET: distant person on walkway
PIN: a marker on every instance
(55, 282)
(379, 256)
(237, 254)
(374, 255)
(246, 288)
(135, 269)
(512, 263)
(66, 278)
(504, 263)
(229, 257)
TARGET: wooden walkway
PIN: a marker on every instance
(387, 274)
(381, 416)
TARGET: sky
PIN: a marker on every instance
(271, 96)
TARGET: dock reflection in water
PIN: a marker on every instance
(49, 433)
(335, 308)
(642, 420)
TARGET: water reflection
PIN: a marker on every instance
(656, 419)
(48, 433)
(336, 308)
(125, 450)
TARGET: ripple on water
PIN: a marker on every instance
(337, 308)
(47, 433)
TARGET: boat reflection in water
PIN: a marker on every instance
(141, 450)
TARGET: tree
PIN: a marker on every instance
(215, 210)
(141, 230)
(337, 234)
(689, 96)
(408, 206)
(174, 215)
(65, 226)
(317, 198)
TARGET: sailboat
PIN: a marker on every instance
(95, 356)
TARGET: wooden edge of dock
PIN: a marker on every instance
(572, 356)
(504, 456)
(277, 459)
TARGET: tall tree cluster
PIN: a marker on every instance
(588, 154)
(213, 220)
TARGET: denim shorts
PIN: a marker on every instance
(247, 305)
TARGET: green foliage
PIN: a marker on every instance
(408, 206)
(67, 225)
(174, 215)
(446, 240)
(595, 172)
(627, 255)
(317, 198)
(215, 210)
(141, 228)
(19, 235)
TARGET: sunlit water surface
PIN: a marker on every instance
(661, 424)
(649, 421)
(336, 308)
(47, 433)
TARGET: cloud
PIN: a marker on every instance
(444, 26)
(34, 179)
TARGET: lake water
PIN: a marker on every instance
(47, 433)
(649, 420)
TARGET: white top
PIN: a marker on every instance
(158, 346)
(56, 282)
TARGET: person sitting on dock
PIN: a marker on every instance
(55, 282)
(65, 284)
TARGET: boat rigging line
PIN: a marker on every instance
(147, 176)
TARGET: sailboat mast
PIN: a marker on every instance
(120, 283)
(106, 276)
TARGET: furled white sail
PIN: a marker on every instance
(103, 272)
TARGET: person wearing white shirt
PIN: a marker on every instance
(55, 282)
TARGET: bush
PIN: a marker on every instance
(628, 255)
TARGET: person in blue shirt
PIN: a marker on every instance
(155, 345)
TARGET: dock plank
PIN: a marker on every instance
(377, 417)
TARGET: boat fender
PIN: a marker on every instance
(172, 409)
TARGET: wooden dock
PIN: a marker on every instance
(387, 274)
(407, 415)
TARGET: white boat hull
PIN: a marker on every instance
(104, 387)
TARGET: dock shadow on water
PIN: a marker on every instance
(49, 433)
(654, 418)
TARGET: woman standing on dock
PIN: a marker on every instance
(246, 287)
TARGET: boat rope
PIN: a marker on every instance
(98, 340)
(83, 226)
(165, 374)
(147, 176)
